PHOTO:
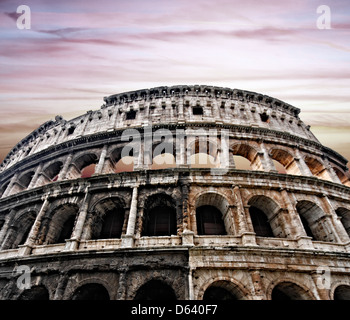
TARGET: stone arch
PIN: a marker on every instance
(317, 168)
(286, 159)
(59, 223)
(91, 291)
(289, 290)
(212, 209)
(164, 152)
(22, 182)
(19, 229)
(159, 215)
(314, 221)
(248, 152)
(83, 166)
(264, 217)
(223, 289)
(202, 150)
(52, 171)
(3, 188)
(108, 218)
(344, 214)
(342, 177)
(119, 163)
(155, 290)
(341, 291)
(35, 293)
(49, 173)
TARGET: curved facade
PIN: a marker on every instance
(184, 192)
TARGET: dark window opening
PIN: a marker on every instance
(112, 225)
(91, 291)
(209, 221)
(197, 111)
(160, 221)
(35, 293)
(306, 227)
(25, 235)
(260, 223)
(264, 117)
(131, 115)
(155, 290)
(71, 130)
(66, 230)
(218, 293)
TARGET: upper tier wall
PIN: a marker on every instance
(164, 105)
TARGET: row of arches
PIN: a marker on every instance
(160, 290)
(200, 153)
(161, 215)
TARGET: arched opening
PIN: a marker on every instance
(223, 290)
(108, 222)
(122, 164)
(19, 230)
(91, 291)
(61, 225)
(263, 214)
(260, 222)
(83, 166)
(279, 167)
(66, 230)
(284, 162)
(209, 221)
(342, 177)
(163, 156)
(88, 171)
(25, 179)
(241, 163)
(249, 153)
(211, 215)
(315, 226)
(289, 291)
(344, 215)
(317, 168)
(3, 188)
(159, 216)
(202, 153)
(53, 170)
(155, 290)
(342, 292)
(35, 293)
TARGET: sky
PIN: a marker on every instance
(77, 52)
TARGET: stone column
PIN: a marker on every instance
(9, 187)
(128, 238)
(62, 284)
(33, 234)
(322, 282)
(180, 147)
(296, 227)
(101, 162)
(63, 173)
(34, 180)
(121, 292)
(73, 243)
(240, 218)
(258, 285)
(5, 226)
(304, 169)
(265, 159)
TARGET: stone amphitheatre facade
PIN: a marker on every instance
(88, 207)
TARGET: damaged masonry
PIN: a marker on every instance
(175, 193)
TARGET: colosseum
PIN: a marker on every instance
(175, 193)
